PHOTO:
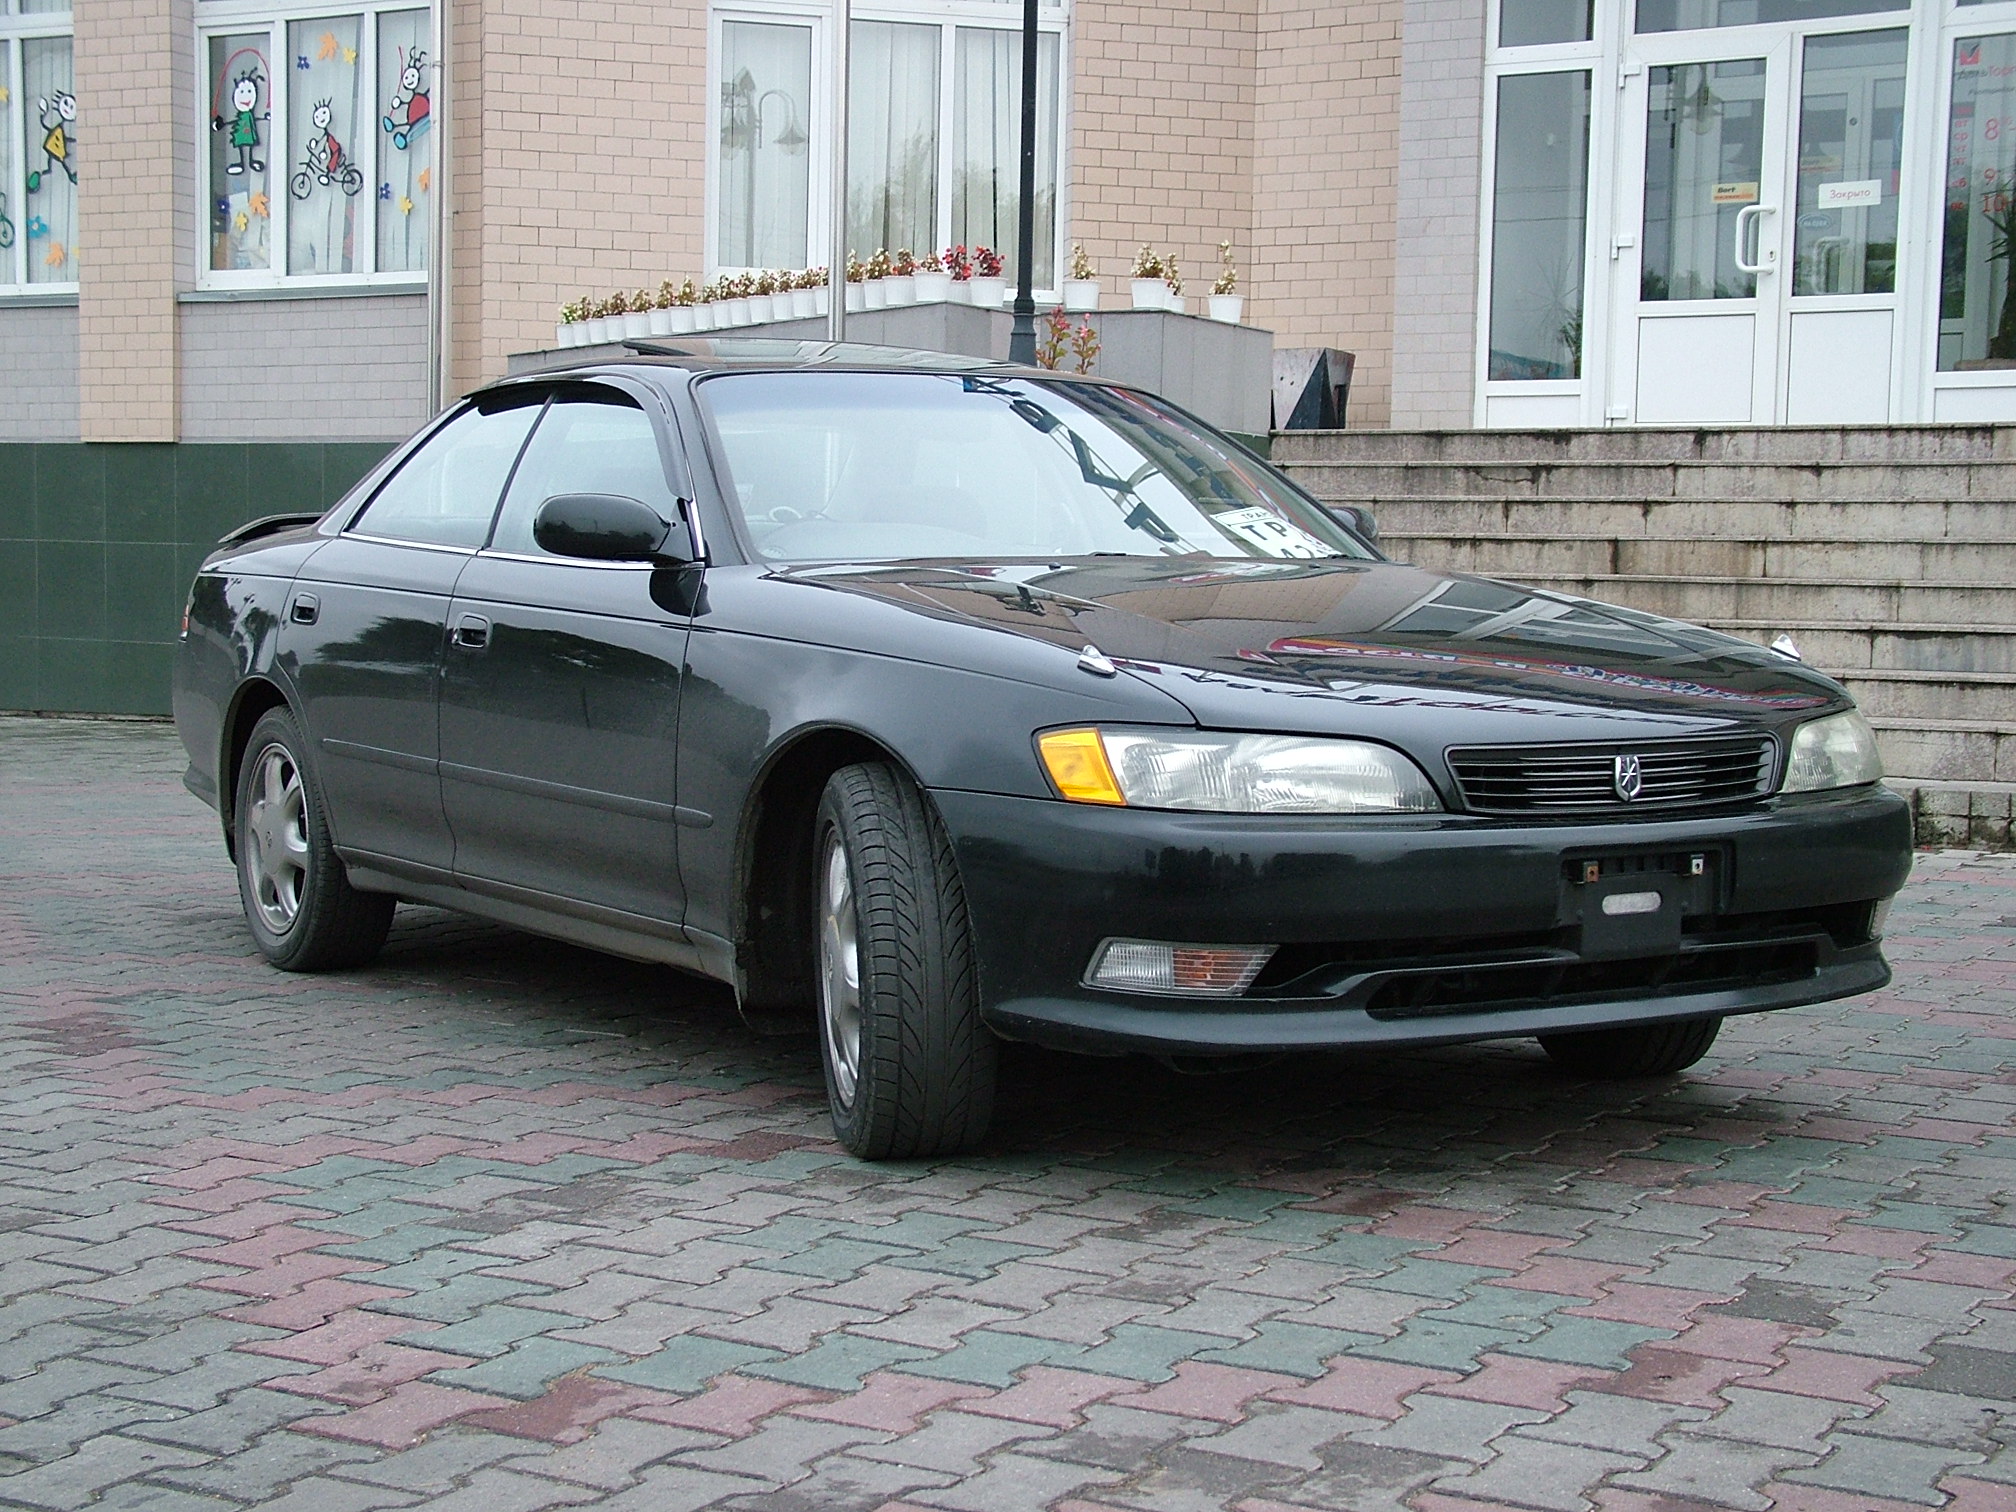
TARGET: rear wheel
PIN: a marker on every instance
(1633, 1050)
(909, 1066)
(305, 915)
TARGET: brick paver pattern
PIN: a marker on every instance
(500, 1224)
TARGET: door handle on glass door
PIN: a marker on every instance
(1767, 257)
(472, 632)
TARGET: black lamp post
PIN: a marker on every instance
(1022, 338)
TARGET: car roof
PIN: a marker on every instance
(706, 354)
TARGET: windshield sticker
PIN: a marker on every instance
(1573, 671)
(1268, 531)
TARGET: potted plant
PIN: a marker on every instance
(1227, 303)
(960, 266)
(735, 300)
(703, 307)
(934, 284)
(857, 284)
(1147, 289)
(1081, 287)
(987, 288)
(1172, 280)
(680, 310)
(821, 280)
(572, 325)
(637, 315)
(875, 293)
(901, 283)
(762, 297)
(795, 294)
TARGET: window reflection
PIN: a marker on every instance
(1537, 225)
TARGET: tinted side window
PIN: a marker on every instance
(585, 444)
(446, 492)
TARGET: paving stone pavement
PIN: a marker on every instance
(501, 1225)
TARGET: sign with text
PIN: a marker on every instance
(1851, 193)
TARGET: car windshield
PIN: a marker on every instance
(887, 466)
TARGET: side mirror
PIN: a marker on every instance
(607, 528)
(1357, 519)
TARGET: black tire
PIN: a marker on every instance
(1634, 1050)
(923, 1066)
(304, 914)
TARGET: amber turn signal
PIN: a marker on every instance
(1076, 761)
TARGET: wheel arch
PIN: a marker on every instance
(253, 698)
(773, 867)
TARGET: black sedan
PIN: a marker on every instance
(937, 703)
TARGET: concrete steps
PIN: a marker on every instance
(1889, 555)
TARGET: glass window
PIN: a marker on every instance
(405, 142)
(1977, 296)
(241, 134)
(1704, 161)
(987, 146)
(1531, 23)
(1851, 145)
(324, 96)
(765, 171)
(50, 142)
(603, 444)
(1538, 219)
(852, 466)
(445, 493)
(1690, 15)
(892, 137)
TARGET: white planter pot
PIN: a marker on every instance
(1148, 293)
(1228, 307)
(900, 288)
(592, 329)
(661, 322)
(933, 288)
(989, 293)
(804, 303)
(822, 300)
(703, 317)
(759, 308)
(962, 291)
(873, 295)
(1176, 304)
(563, 334)
(857, 297)
(1081, 295)
(680, 322)
(636, 325)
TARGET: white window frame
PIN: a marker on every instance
(17, 27)
(948, 16)
(238, 17)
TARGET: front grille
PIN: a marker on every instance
(1545, 779)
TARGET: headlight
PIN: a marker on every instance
(1234, 774)
(1835, 752)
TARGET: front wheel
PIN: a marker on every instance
(305, 915)
(909, 1066)
(1633, 1050)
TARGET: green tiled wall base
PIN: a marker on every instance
(98, 543)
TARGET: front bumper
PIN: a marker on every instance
(1417, 930)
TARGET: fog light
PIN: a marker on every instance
(1183, 970)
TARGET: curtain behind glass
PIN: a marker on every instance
(325, 99)
(987, 144)
(405, 141)
(241, 138)
(766, 91)
(1537, 220)
(49, 128)
(892, 137)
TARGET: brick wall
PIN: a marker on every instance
(1435, 233)
(38, 354)
(244, 377)
(1326, 149)
(134, 61)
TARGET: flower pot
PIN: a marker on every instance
(1148, 294)
(1081, 295)
(988, 293)
(1228, 307)
(1176, 304)
(592, 329)
(962, 291)
(661, 322)
(933, 288)
(681, 323)
(857, 297)
(822, 300)
(760, 308)
(873, 295)
(804, 303)
(565, 334)
(703, 316)
(901, 288)
(636, 326)
(734, 312)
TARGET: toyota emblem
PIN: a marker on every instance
(1627, 778)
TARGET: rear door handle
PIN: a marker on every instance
(472, 631)
(306, 607)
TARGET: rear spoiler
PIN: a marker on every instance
(266, 525)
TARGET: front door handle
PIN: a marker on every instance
(306, 606)
(472, 632)
(1767, 257)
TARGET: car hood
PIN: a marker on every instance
(1300, 645)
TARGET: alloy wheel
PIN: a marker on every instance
(840, 970)
(276, 838)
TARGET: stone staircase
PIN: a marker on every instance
(1888, 554)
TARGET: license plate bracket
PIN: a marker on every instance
(1635, 905)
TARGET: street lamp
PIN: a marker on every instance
(742, 131)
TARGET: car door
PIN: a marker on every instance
(364, 626)
(562, 680)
